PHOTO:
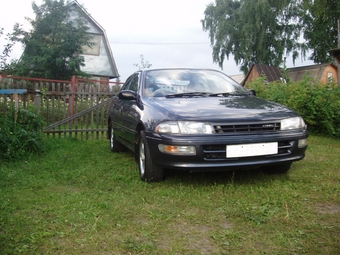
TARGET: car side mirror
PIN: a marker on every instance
(252, 92)
(127, 95)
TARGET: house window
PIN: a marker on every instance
(95, 47)
(329, 77)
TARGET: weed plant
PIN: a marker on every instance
(21, 134)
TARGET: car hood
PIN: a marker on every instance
(243, 108)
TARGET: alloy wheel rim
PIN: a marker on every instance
(111, 138)
(142, 158)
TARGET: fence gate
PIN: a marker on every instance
(77, 108)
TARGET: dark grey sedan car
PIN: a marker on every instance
(201, 120)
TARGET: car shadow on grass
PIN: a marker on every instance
(240, 176)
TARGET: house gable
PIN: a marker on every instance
(99, 60)
(272, 73)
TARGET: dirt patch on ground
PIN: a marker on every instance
(189, 232)
(197, 239)
(328, 208)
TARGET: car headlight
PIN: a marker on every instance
(185, 127)
(292, 123)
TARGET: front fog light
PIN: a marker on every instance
(177, 150)
(302, 143)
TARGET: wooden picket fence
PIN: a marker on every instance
(76, 108)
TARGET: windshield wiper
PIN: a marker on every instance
(227, 94)
(222, 94)
(189, 94)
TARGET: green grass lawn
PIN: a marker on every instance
(82, 199)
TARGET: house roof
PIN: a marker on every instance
(272, 73)
(104, 64)
(314, 71)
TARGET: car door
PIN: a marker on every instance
(117, 114)
(130, 112)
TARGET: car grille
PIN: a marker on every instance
(264, 127)
(218, 152)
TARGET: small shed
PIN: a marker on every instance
(272, 73)
(324, 73)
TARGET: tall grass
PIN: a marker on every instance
(82, 199)
(21, 134)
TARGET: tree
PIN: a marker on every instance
(321, 27)
(143, 63)
(53, 46)
(6, 51)
(254, 31)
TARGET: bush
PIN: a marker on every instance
(317, 103)
(21, 134)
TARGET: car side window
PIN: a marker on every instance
(134, 83)
(131, 83)
(127, 83)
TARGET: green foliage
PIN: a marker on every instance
(20, 134)
(264, 31)
(320, 20)
(317, 103)
(6, 51)
(52, 47)
(253, 31)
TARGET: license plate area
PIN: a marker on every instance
(251, 150)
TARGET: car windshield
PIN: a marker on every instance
(189, 82)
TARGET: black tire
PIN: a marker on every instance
(277, 169)
(147, 170)
(115, 146)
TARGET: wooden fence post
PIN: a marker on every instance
(37, 100)
(71, 99)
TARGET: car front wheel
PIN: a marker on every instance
(277, 169)
(148, 171)
(115, 146)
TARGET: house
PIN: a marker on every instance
(99, 60)
(325, 73)
(237, 77)
(272, 73)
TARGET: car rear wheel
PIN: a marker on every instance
(277, 169)
(115, 146)
(148, 171)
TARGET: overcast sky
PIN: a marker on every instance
(166, 33)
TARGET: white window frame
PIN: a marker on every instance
(95, 48)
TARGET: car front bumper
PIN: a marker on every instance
(211, 150)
